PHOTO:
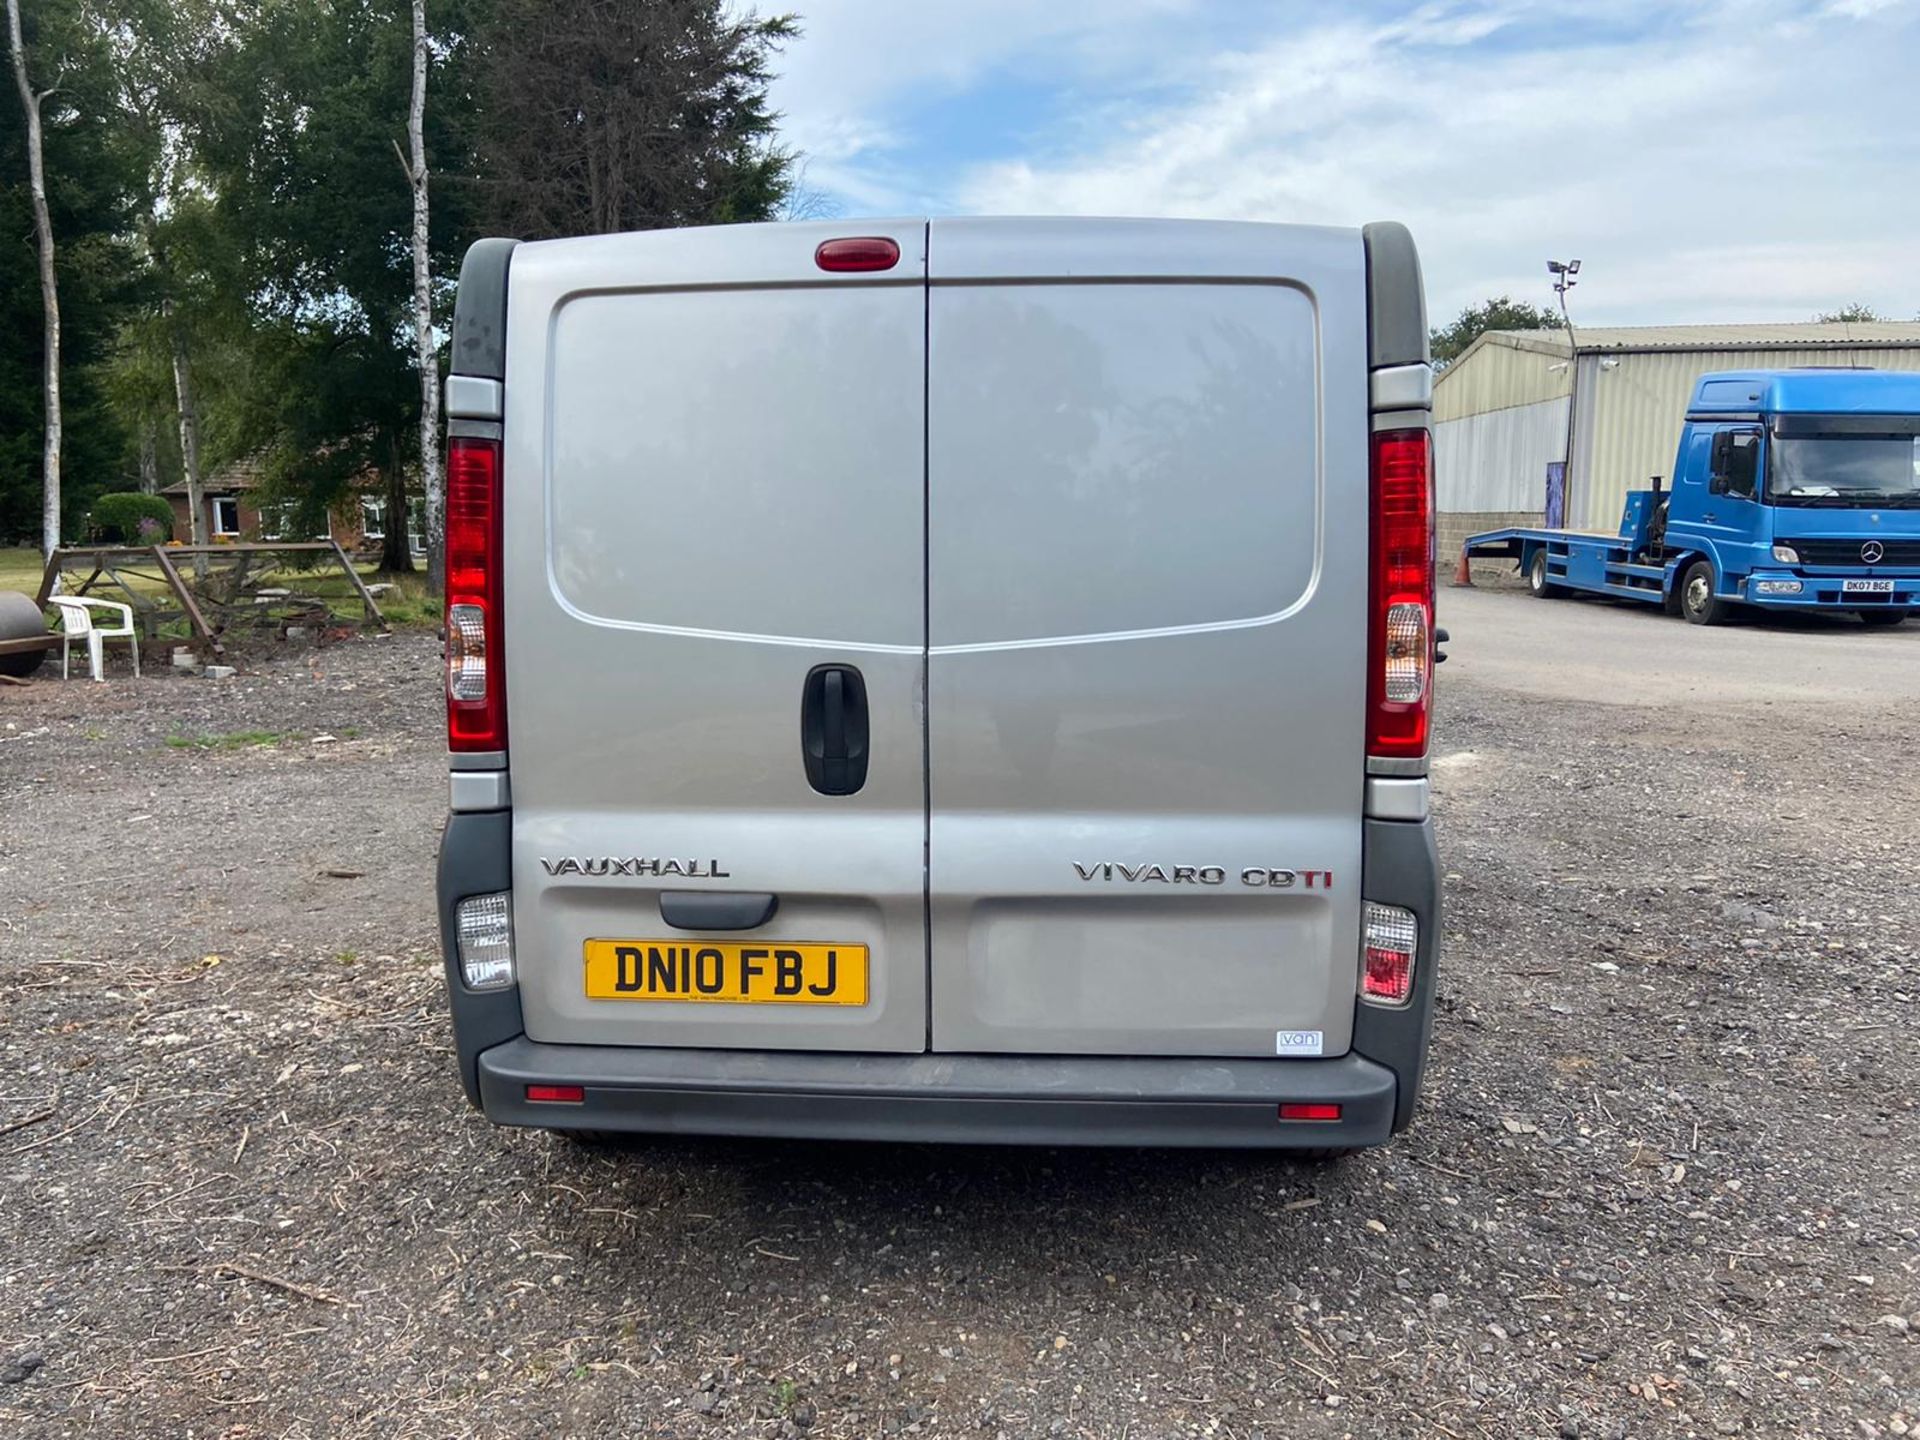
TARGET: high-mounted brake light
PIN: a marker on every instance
(857, 252)
(1400, 623)
(476, 681)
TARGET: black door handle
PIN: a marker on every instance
(704, 910)
(833, 729)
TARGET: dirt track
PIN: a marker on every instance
(1662, 1183)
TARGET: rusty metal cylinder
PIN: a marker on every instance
(20, 619)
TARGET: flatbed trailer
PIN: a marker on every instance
(1584, 560)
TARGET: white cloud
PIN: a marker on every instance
(857, 59)
(1749, 160)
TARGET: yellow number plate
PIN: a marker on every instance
(762, 973)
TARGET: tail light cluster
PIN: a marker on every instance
(1391, 935)
(476, 681)
(1400, 637)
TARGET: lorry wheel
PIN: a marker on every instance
(1697, 600)
(1537, 581)
(1881, 617)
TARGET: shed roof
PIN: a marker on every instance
(1807, 335)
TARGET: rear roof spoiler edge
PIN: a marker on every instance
(1396, 300)
(480, 310)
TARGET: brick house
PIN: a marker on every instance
(235, 513)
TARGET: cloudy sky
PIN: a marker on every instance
(1727, 160)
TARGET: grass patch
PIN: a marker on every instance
(409, 605)
(20, 569)
(238, 740)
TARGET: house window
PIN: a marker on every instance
(373, 518)
(226, 515)
(277, 522)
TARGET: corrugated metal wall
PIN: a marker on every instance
(1498, 460)
(1496, 376)
(1629, 418)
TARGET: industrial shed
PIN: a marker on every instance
(1500, 410)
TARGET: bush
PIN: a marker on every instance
(129, 518)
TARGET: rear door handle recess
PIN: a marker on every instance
(833, 729)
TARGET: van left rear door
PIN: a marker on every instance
(714, 500)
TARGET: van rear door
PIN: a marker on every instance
(715, 519)
(1147, 551)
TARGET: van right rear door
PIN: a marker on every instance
(1147, 561)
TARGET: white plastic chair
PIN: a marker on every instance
(77, 622)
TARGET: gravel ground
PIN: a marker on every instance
(1662, 1182)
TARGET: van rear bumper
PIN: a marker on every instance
(966, 1099)
(1042, 1100)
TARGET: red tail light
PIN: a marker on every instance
(557, 1094)
(476, 679)
(1400, 640)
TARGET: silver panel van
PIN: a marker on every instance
(943, 680)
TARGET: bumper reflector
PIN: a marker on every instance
(1391, 937)
(556, 1094)
(1308, 1110)
(483, 931)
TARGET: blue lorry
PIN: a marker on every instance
(1792, 490)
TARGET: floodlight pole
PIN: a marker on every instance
(1563, 272)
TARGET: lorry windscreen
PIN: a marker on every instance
(1844, 468)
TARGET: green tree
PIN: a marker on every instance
(302, 138)
(1502, 312)
(88, 190)
(1856, 313)
(594, 116)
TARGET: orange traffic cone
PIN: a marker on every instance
(1463, 572)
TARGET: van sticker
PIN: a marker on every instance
(1298, 1042)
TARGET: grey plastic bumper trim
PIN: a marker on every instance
(1402, 387)
(479, 790)
(469, 397)
(1397, 799)
(960, 1099)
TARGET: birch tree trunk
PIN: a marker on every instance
(49, 290)
(430, 471)
(189, 438)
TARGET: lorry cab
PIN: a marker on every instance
(943, 680)
(1797, 488)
